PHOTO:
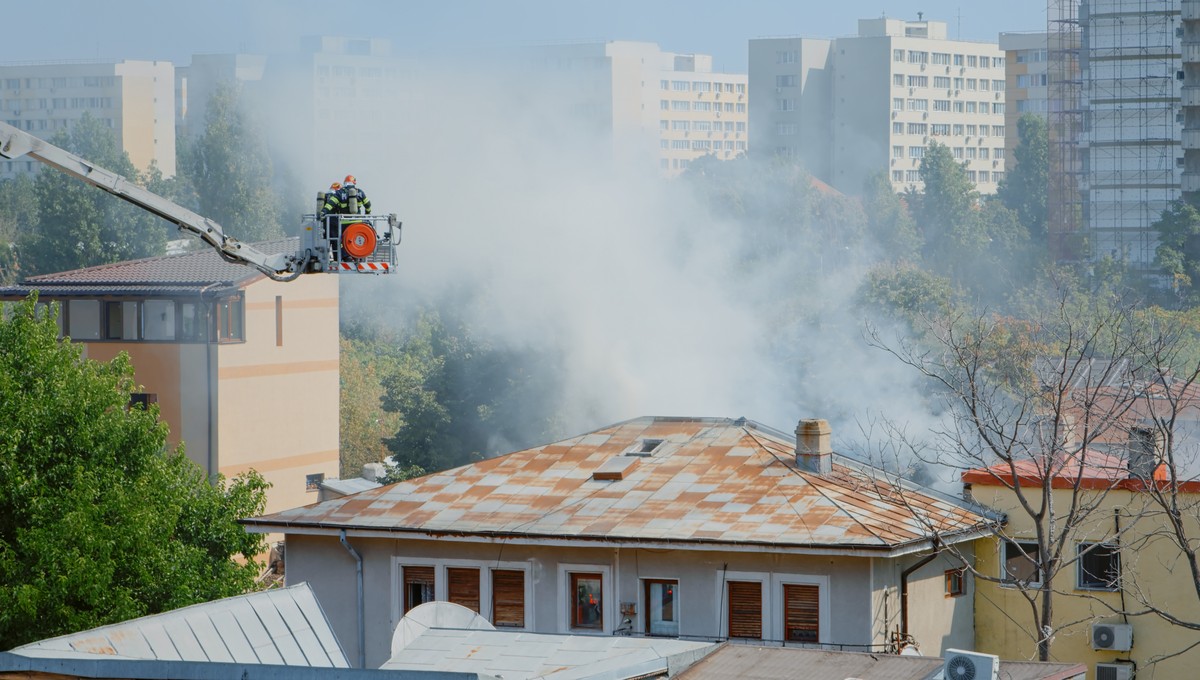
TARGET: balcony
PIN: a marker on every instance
(1189, 95)
(1191, 52)
(1190, 181)
(1190, 9)
(1191, 138)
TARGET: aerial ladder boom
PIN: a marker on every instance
(322, 249)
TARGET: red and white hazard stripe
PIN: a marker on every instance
(367, 266)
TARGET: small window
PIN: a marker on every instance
(801, 613)
(279, 321)
(158, 320)
(1099, 566)
(955, 580)
(121, 320)
(662, 608)
(83, 319)
(508, 598)
(745, 609)
(418, 586)
(193, 321)
(142, 400)
(313, 482)
(587, 602)
(1021, 563)
(229, 320)
(463, 584)
(645, 447)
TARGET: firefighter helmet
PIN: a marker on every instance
(335, 186)
(349, 181)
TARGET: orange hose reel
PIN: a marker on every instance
(358, 239)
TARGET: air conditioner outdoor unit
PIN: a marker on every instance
(1115, 637)
(1114, 671)
(962, 665)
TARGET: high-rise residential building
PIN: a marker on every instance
(1025, 58)
(652, 105)
(1132, 78)
(889, 91)
(1190, 95)
(196, 83)
(134, 98)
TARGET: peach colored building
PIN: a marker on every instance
(243, 369)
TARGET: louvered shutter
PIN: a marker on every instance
(801, 606)
(464, 587)
(418, 586)
(508, 598)
(745, 609)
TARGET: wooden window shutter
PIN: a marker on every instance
(508, 598)
(464, 587)
(802, 613)
(745, 609)
(418, 586)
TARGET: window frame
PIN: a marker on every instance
(787, 610)
(525, 609)
(441, 584)
(478, 586)
(405, 606)
(956, 582)
(1089, 547)
(566, 598)
(647, 583)
(1007, 579)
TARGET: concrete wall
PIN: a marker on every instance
(846, 587)
(771, 128)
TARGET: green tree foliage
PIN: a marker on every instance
(945, 212)
(18, 215)
(1026, 178)
(888, 221)
(100, 523)
(364, 423)
(906, 291)
(461, 399)
(1179, 248)
(232, 171)
(79, 225)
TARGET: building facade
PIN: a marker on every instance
(1026, 89)
(244, 370)
(196, 83)
(135, 99)
(891, 90)
(676, 527)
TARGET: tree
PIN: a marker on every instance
(946, 213)
(81, 226)
(888, 220)
(18, 215)
(1026, 179)
(1178, 251)
(366, 363)
(1030, 408)
(231, 170)
(100, 523)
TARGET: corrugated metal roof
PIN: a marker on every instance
(774, 663)
(711, 480)
(285, 626)
(346, 487)
(524, 656)
(188, 273)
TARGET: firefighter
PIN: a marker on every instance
(330, 198)
(350, 190)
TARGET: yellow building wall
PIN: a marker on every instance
(1004, 624)
(278, 393)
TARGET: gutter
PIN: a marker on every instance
(358, 573)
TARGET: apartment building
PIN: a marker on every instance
(196, 83)
(888, 92)
(134, 98)
(651, 106)
(1026, 89)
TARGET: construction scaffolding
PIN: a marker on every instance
(1130, 153)
(1064, 92)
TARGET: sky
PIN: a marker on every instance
(172, 30)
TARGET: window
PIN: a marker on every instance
(587, 601)
(972, 60)
(971, 175)
(916, 57)
(958, 83)
(142, 399)
(703, 86)
(941, 82)
(940, 128)
(984, 153)
(916, 152)
(897, 103)
(971, 129)
(985, 85)
(121, 320)
(681, 125)
(998, 85)
(279, 321)
(958, 60)
(158, 320)
(970, 153)
(971, 83)
(664, 84)
(418, 586)
(508, 598)
(898, 79)
(801, 613)
(918, 104)
(785, 81)
(912, 175)
(662, 611)
(998, 107)
(785, 104)
(83, 319)
(941, 58)
(958, 153)
(463, 587)
(898, 55)
(741, 108)
(229, 320)
(678, 105)
(1021, 563)
(313, 482)
(897, 152)
(787, 56)
(681, 85)
(941, 105)
(955, 580)
(664, 104)
(917, 128)
(970, 107)
(918, 81)
(957, 129)
(897, 175)
(998, 130)
(745, 609)
(1099, 566)
(983, 107)
(703, 106)
(998, 153)
(897, 128)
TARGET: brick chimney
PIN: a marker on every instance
(813, 450)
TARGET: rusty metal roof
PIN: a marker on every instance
(709, 480)
(273, 627)
(184, 274)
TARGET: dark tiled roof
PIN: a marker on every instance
(711, 480)
(185, 274)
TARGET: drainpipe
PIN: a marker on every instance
(358, 573)
(904, 587)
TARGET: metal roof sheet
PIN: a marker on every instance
(712, 480)
(285, 626)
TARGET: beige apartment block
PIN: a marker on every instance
(849, 108)
(244, 370)
(136, 99)
(1026, 59)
